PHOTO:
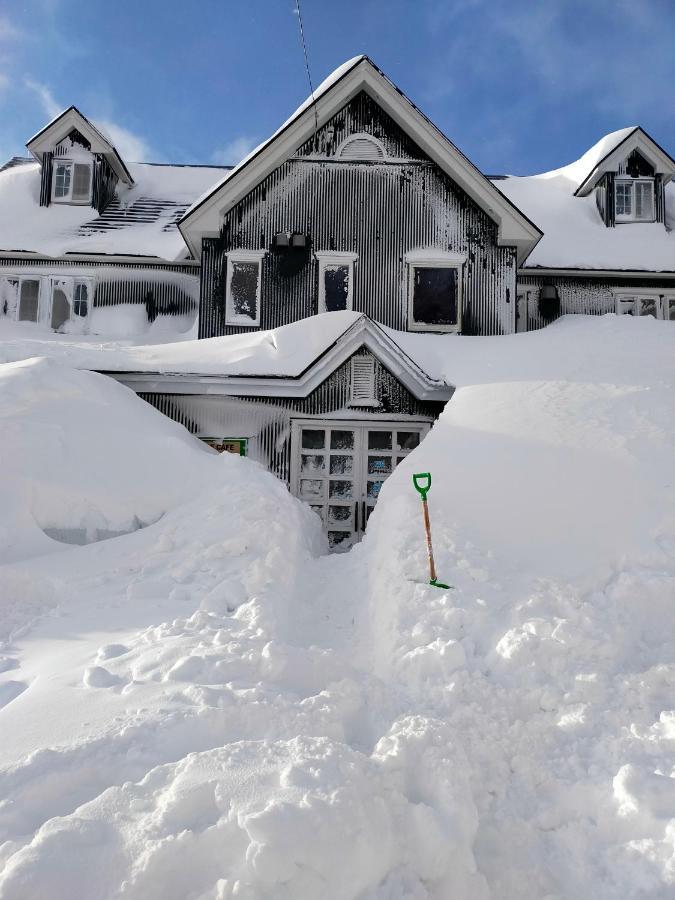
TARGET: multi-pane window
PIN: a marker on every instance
(634, 200)
(336, 281)
(242, 290)
(81, 299)
(659, 306)
(72, 182)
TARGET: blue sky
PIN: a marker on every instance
(520, 86)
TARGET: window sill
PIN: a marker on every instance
(439, 329)
(370, 404)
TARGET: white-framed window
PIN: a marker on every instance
(336, 280)
(71, 301)
(71, 182)
(242, 287)
(28, 308)
(434, 291)
(634, 200)
(362, 381)
(659, 304)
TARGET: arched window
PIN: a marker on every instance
(362, 147)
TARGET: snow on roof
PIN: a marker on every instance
(575, 237)
(141, 221)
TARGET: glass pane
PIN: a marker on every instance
(312, 462)
(644, 200)
(624, 196)
(60, 308)
(379, 465)
(379, 440)
(311, 488)
(313, 438)
(336, 287)
(626, 306)
(670, 310)
(62, 181)
(374, 488)
(339, 514)
(399, 459)
(407, 440)
(243, 290)
(335, 538)
(28, 302)
(81, 182)
(435, 296)
(340, 489)
(341, 440)
(647, 306)
(318, 510)
(341, 465)
(81, 301)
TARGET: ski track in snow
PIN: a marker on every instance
(220, 711)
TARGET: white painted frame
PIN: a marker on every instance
(425, 259)
(632, 182)
(327, 258)
(662, 298)
(85, 201)
(236, 256)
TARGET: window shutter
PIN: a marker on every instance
(363, 381)
(81, 182)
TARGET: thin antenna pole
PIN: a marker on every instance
(309, 76)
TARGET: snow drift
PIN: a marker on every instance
(216, 712)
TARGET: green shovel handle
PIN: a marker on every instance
(422, 482)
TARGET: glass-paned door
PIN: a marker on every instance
(339, 469)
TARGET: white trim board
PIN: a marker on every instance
(204, 218)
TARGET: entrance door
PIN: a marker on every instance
(339, 468)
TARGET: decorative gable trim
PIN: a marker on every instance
(205, 217)
(72, 119)
(637, 139)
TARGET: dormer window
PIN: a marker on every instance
(634, 199)
(71, 182)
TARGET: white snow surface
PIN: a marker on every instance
(575, 237)
(209, 707)
(53, 231)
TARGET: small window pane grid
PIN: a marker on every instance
(341, 471)
(634, 200)
(659, 306)
(434, 297)
(242, 292)
(72, 182)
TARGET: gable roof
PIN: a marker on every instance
(575, 236)
(290, 361)
(610, 151)
(139, 222)
(60, 127)
(359, 74)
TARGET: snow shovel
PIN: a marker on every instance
(422, 482)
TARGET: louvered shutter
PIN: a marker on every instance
(363, 381)
(361, 147)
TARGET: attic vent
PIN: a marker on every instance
(363, 381)
(361, 147)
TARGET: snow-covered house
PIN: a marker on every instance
(356, 221)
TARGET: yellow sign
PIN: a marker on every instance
(228, 445)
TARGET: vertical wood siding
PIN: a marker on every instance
(378, 210)
(266, 422)
(46, 178)
(104, 184)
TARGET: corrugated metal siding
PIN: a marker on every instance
(582, 294)
(266, 422)
(378, 211)
(46, 179)
(105, 182)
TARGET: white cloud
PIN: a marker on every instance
(234, 151)
(46, 98)
(131, 147)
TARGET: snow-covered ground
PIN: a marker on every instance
(211, 707)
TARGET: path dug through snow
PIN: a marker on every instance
(211, 709)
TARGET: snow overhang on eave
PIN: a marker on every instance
(364, 333)
(204, 219)
(638, 139)
(61, 127)
(545, 271)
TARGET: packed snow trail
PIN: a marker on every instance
(210, 708)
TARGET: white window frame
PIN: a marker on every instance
(355, 363)
(233, 257)
(633, 216)
(69, 198)
(425, 260)
(40, 309)
(327, 258)
(662, 298)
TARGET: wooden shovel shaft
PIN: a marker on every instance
(430, 551)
